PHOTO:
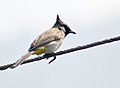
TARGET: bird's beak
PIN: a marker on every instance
(72, 32)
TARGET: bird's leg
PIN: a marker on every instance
(47, 56)
(52, 60)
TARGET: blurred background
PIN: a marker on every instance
(21, 21)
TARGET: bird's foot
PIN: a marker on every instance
(52, 60)
(48, 56)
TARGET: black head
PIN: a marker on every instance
(62, 26)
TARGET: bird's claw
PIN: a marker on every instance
(52, 60)
(47, 56)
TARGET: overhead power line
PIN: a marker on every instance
(90, 45)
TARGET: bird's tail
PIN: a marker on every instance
(22, 59)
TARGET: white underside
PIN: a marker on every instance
(52, 47)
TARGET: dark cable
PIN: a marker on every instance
(4, 67)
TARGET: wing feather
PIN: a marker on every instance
(45, 38)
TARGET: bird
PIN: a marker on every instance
(47, 42)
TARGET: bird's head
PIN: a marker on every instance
(62, 26)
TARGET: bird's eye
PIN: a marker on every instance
(62, 28)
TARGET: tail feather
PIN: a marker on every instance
(22, 59)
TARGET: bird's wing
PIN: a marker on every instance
(46, 41)
(46, 37)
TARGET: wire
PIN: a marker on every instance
(4, 67)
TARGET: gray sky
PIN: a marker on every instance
(21, 21)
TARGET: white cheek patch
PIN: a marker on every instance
(63, 29)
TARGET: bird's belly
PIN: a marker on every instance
(52, 47)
